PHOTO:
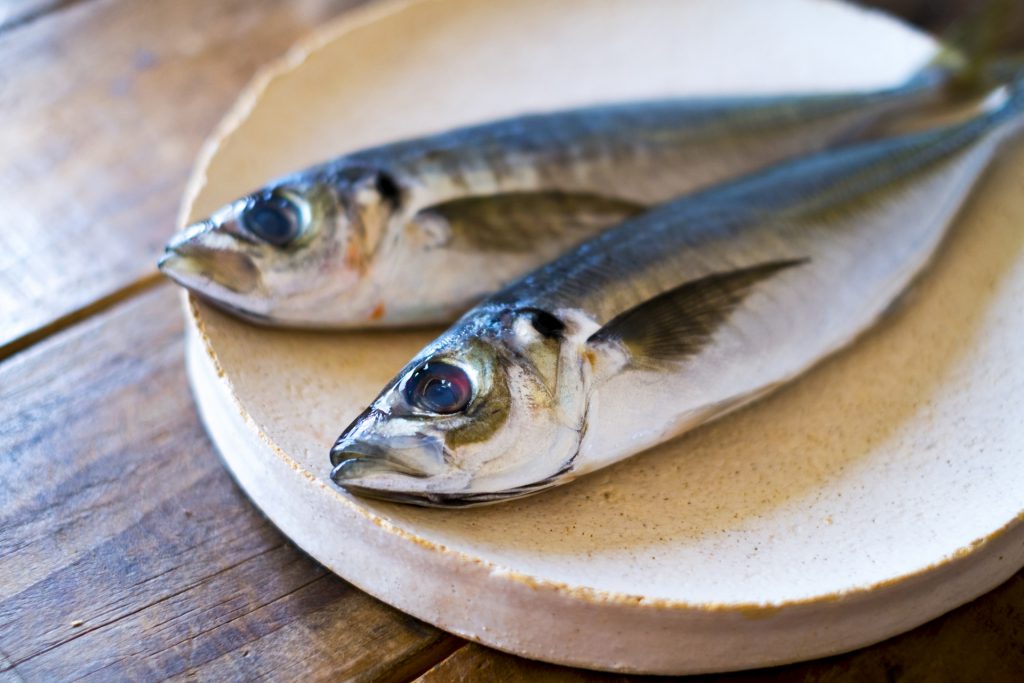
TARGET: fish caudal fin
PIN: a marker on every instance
(971, 48)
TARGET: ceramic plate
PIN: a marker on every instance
(880, 490)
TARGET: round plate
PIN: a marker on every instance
(878, 491)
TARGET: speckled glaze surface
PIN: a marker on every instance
(878, 491)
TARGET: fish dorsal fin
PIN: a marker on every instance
(518, 221)
(678, 323)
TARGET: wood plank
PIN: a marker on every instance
(980, 641)
(105, 105)
(126, 551)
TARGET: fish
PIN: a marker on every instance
(417, 231)
(668, 320)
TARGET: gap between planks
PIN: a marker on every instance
(78, 315)
(416, 666)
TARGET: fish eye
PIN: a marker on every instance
(438, 387)
(277, 217)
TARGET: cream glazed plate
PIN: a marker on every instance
(882, 489)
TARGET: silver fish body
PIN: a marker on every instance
(667, 321)
(416, 232)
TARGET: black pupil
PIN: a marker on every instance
(439, 388)
(273, 219)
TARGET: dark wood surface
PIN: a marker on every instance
(104, 105)
(126, 551)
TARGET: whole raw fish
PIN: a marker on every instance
(418, 231)
(667, 321)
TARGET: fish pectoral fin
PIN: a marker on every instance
(518, 221)
(678, 323)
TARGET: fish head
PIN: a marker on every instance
(490, 411)
(293, 252)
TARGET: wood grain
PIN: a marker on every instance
(981, 641)
(105, 105)
(126, 551)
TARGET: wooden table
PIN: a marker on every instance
(126, 551)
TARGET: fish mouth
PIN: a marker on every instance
(205, 270)
(361, 466)
(433, 499)
(402, 475)
(355, 459)
(367, 470)
(429, 499)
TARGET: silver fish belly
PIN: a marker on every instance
(418, 231)
(666, 321)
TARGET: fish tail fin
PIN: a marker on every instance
(969, 58)
(1003, 109)
(1016, 93)
(1012, 108)
(1006, 68)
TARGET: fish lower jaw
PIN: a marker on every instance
(402, 488)
(194, 278)
(449, 490)
(438, 499)
(240, 310)
(392, 475)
